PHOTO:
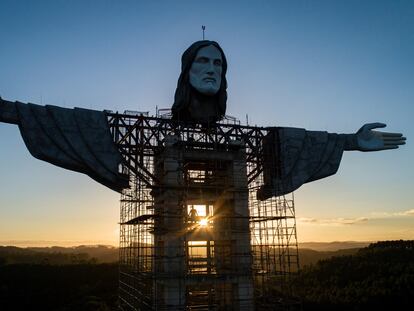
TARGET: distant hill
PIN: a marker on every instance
(333, 246)
(102, 253)
(309, 256)
(58, 255)
(309, 253)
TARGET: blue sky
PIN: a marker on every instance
(321, 65)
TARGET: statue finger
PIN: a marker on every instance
(393, 138)
(386, 134)
(370, 126)
(389, 147)
(393, 143)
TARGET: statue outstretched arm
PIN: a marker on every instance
(293, 156)
(8, 112)
(75, 139)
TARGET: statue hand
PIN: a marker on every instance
(369, 140)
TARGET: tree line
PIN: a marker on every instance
(380, 276)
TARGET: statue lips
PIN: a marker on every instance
(210, 80)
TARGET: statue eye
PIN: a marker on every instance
(218, 62)
(202, 60)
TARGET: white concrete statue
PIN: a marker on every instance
(79, 139)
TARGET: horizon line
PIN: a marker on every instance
(76, 243)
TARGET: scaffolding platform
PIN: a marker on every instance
(193, 235)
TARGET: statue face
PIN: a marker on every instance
(205, 71)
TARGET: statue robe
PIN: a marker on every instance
(75, 139)
(294, 156)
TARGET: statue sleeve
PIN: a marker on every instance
(74, 139)
(293, 156)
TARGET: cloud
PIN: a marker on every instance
(380, 215)
(354, 221)
(333, 221)
(407, 213)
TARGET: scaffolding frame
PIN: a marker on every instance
(272, 224)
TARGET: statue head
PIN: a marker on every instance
(201, 89)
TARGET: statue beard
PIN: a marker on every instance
(203, 108)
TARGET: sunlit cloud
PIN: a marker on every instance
(356, 220)
(333, 221)
(379, 215)
(407, 213)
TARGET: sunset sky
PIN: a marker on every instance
(320, 65)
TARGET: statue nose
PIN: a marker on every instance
(210, 69)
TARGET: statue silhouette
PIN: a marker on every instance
(80, 140)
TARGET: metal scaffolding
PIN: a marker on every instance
(193, 235)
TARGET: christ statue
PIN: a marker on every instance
(80, 140)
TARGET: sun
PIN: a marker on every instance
(203, 222)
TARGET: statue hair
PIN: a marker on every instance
(185, 91)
